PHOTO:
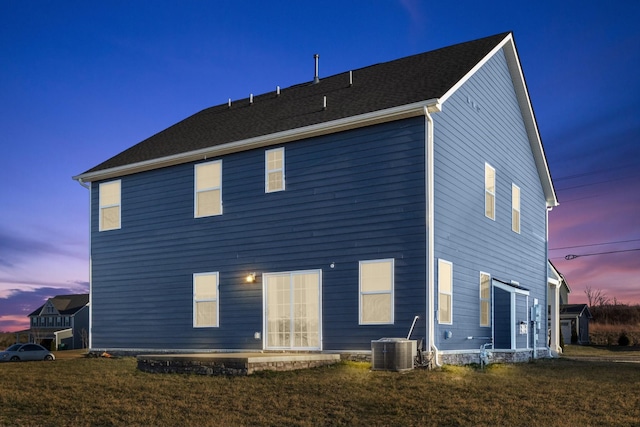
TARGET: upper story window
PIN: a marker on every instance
(208, 189)
(485, 299)
(109, 205)
(489, 191)
(445, 291)
(205, 300)
(274, 170)
(376, 291)
(515, 208)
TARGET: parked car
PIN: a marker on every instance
(20, 352)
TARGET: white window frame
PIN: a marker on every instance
(390, 292)
(489, 194)
(102, 206)
(268, 171)
(197, 190)
(216, 300)
(486, 300)
(515, 208)
(442, 292)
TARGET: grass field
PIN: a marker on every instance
(78, 391)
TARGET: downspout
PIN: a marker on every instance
(430, 229)
(81, 182)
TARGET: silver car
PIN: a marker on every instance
(19, 352)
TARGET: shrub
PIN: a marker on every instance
(623, 340)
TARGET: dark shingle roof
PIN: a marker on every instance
(575, 309)
(66, 304)
(377, 87)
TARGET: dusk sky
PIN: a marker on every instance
(81, 81)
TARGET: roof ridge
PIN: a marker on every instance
(376, 87)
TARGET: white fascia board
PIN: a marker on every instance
(368, 119)
(522, 95)
(510, 289)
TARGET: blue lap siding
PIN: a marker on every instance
(482, 122)
(352, 196)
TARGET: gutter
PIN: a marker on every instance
(431, 316)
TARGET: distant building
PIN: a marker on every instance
(574, 321)
(63, 320)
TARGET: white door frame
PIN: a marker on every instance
(265, 308)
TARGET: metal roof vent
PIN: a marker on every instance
(316, 79)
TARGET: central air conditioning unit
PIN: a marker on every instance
(393, 354)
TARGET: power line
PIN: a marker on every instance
(621, 178)
(572, 256)
(595, 172)
(595, 244)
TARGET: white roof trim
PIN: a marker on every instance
(508, 288)
(522, 95)
(368, 119)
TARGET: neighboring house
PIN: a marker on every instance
(574, 320)
(328, 214)
(571, 319)
(62, 321)
(558, 295)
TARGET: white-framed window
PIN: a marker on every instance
(489, 191)
(109, 195)
(376, 292)
(208, 189)
(515, 208)
(485, 299)
(274, 170)
(445, 292)
(205, 300)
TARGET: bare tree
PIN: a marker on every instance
(596, 297)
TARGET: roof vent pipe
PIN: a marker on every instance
(316, 79)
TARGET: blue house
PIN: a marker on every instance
(62, 322)
(329, 214)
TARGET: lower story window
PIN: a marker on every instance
(445, 292)
(205, 300)
(376, 291)
(485, 299)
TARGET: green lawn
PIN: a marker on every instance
(76, 391)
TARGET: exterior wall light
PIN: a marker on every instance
(251, 278)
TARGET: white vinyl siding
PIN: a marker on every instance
(485, 299)
(205, 300)
(489, 191)
(376, 291)
(445, 292)
(110, 205)
(515, 208)
(208, 189)
(274, 170)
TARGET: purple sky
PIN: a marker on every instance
(81, 81)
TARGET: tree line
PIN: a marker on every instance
(609, 310)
